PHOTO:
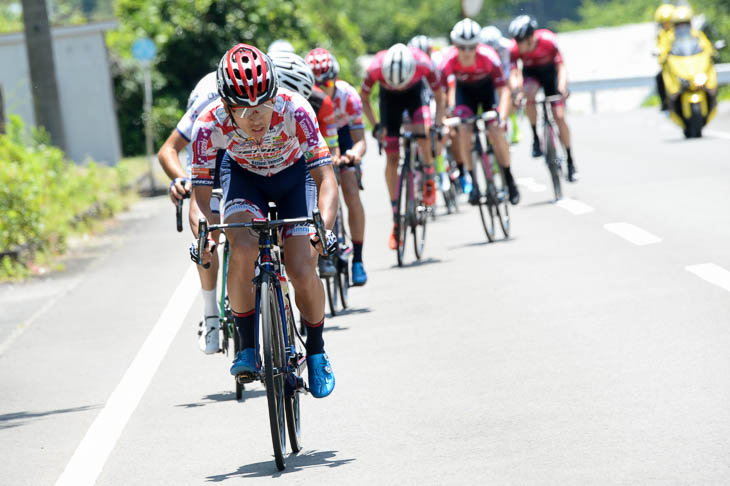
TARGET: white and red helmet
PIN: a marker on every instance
(324, 65)
(399, 66)
(246, 76)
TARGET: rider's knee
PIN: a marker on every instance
(300, 270)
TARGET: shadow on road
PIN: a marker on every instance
(418, 263)
(224, 397)
(549, 202)
(17, 419)
(483, 243)
(294, 463)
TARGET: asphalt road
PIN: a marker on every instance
(589, 348)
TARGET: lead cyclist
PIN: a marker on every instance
(273, 152)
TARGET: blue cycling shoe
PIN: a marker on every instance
(321, 377)
(245, 362)
(359, 277)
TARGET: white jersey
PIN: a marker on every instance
(204, 93)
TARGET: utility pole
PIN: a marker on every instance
(2, 112)
(39, 47)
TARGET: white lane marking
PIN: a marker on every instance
(88, 460)
(714, 274)
(632, 233)
(718, 134)
(574, 206)
(530, 184)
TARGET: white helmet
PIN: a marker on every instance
(293, 72)
(280, 45)
(421, 42)
(465, 33)
(399, 66)
(491, 36)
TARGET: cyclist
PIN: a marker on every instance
(492, 36)
(295, 74)
(351, 141)
(273, 152)
(663, 18)
(473, 72)
(204, 94)
(542, 65)
(403, 74)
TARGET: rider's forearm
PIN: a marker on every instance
(367, 108)
(359, 146)
(451, 96)
(324, 178)
(199, 206)
(168, 155)
(562, 78)
(515, 80)
(439, 95)
(505, 101)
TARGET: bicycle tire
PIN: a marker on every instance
(502, 208)
(236, 341)
(343, 274)
(291, 404)
(271, 330)
(553, 163)
(331, 288)
(486, 205)
(419, 217)
(401, 223)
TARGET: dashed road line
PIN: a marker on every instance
(632, 233)
(531, 185)
(87, 462)
(712, 273)
(574, 206)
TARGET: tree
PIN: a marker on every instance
(39, 46)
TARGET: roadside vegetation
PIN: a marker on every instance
(46, 199)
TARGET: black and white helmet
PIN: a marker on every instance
(465, 33)
(293, 73)
(399, 66)
(522, 27)
(491, 36)
(421, 42)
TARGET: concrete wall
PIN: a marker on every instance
(84, 84)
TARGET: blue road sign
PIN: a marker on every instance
(144, 49)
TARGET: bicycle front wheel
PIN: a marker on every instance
(420, 218)
(293, 415)
(271, 330)
(553, 163)
(401, 223)
(487, 204)
(502, 200)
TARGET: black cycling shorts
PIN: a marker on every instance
(415, 100)
(474, 95)
(546, 76)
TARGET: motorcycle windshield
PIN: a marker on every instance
(685, 44)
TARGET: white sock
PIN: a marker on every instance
(210, 301)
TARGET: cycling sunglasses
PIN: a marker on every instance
(247, 112)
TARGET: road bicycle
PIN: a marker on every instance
(448, 178)
(490, 182)
(412, 214)
(283, 361)
(230, 344)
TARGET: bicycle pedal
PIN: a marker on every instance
(244, 378)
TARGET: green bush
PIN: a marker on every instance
(44, 197)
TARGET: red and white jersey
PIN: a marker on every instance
(424, 69)
(348, 106)
(325, 109)
(486, 65)
(545, 52)
(293, 133)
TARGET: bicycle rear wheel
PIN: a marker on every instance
(271, 330)
(291, 405)
(331, 285)
(343, 275)
(502, 202)
(401, 223)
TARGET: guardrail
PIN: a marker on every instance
(596, 85)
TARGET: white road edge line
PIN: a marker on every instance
(574, 206)
(88, 461)
(714, 274)
(718, 134)
(632, 233)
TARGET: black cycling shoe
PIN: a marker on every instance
(536, 150)
(572, 172)
(514, 194)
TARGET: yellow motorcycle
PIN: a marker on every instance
(691, 83)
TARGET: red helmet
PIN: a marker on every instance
(246, 76)
(324, 65)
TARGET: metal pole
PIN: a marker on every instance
(594, 101)
(2, 112)
(148, 123)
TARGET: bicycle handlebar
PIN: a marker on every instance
(260, 225)
(178, 211)
(486, 116)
